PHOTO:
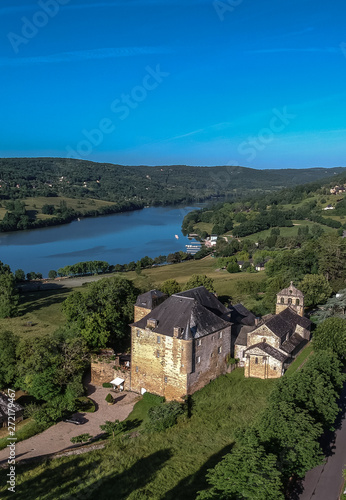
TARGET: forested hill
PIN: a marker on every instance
(28, 177)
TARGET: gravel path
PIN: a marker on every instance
(57, 438)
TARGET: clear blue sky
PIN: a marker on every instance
(199, 82)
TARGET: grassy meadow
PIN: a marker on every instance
(166, 465)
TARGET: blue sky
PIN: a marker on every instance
(199, 82)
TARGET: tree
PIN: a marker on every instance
(111, 428)
(332, 257)
(169, 287)
(52, 274)
(8, 343)
(200, 280)
(9, 296)
(331, 334)
(248, 472)
(233, 267)
(103, 312)
(19, 275)
(316, 289)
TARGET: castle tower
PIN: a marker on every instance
(290, 297)
(147, 302)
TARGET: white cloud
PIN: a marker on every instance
(83, 55)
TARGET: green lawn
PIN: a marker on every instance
(167, 465)
(289, 231)
(24, 430)
(80, 205)
(300, 359)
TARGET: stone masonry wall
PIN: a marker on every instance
(159, 363)
(266, 367)
(261, 332)
(102, 372)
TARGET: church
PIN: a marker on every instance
(268, 349)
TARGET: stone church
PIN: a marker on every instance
(268, 349)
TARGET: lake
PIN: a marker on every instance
(117, 239)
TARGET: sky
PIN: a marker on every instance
(160, 82)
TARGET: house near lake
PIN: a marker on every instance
(182, 342)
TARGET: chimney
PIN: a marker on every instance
(177, 331)
(151, 323)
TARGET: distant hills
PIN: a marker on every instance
(143, 185)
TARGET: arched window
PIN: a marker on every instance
(282, 300)
(290, 301)
(297, 302)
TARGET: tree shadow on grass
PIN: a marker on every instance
(31, 302)
(188, 487)
(98, 478)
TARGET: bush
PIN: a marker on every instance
(82, 438)
(152, 398)
(109, 398)
(163, 416)
(107, 385)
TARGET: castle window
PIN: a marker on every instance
(219, 350)
(290, 301)
(157, 354)
(199, 342)
(165, 380)
(138, 333)
(256, 361)
(220, 335)
(297, 302)
(158, 339)
(198, 359)
(136, 369)
(282, 300)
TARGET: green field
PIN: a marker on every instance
(34, 205)
(166, 465)
(288, 231)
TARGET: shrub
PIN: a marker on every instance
(107, 385)
(109, 398)
(164, 416)
(82, 438)
(152, 398)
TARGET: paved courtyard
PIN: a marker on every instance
(57, 438)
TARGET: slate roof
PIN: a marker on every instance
(187, 313)
(293, 342)
(206, 299)
(270, 350)
(242, 338)
(4, 407)
(286, 322)
(239, 314)
(149, 299)
(291, 291)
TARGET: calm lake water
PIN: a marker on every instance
(117, 239)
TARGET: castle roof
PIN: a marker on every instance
(241, 315)
(291, 291)
(188, 314)
(206, 299)
(148, 299)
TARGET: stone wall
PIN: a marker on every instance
(265, 367)
(140, 312)
(159, 363)
(103, 372)
(212, 363)
(263, 332)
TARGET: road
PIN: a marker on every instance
(57, 438)
(325, 481)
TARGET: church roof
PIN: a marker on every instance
(291, 291)
(187, 313)
(270, 350)
(286, 323)
(148, 299)
(293, 342)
